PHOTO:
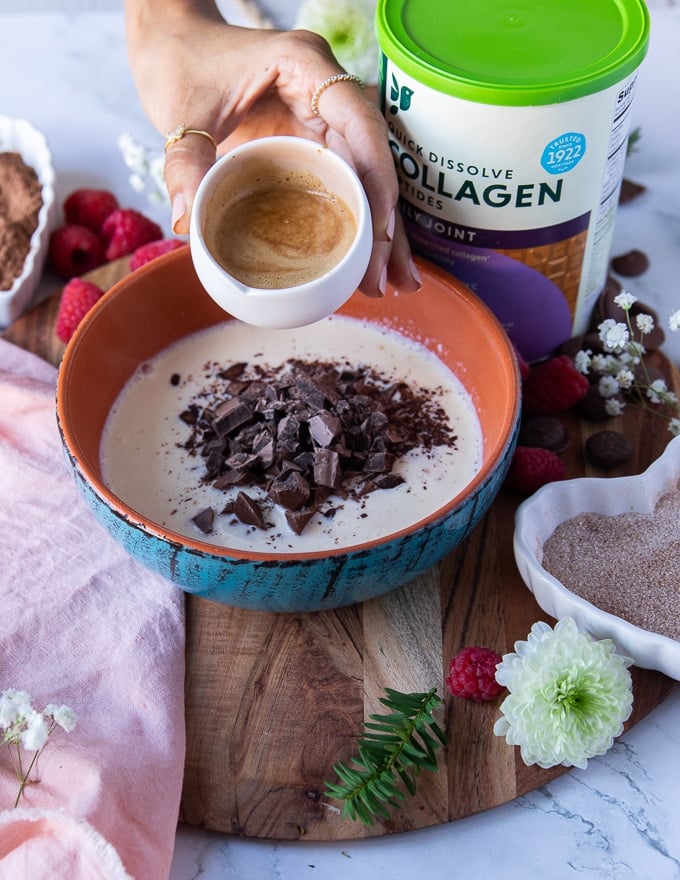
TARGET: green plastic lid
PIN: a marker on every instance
(514, 52)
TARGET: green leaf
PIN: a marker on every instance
(391, 754)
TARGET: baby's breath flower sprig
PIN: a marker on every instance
(146, 169)
(24, 728)
(622, 367)
(569, 695)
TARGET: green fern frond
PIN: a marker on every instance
(391, 753)
(633, 140)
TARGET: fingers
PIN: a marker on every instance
(186, 162)
(402, 272)
(355, 119)
(349, 122)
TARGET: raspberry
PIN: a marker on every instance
(153, 249)
(74, 250)
(89, 207)
(532, 467)
(553, 386)
(125, 230)
(472, 674)
(77, 299)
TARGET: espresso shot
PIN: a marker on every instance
(281, 232)
(277, 228)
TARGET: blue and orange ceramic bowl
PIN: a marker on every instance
(163, 302)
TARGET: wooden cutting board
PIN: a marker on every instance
(273, 701)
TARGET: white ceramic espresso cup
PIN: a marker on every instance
(281, 306)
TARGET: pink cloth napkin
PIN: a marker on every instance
(82, 624)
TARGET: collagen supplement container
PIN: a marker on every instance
(509, 124)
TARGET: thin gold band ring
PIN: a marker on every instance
(181, 130)
(331, 81)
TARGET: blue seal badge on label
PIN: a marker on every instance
(564, 152)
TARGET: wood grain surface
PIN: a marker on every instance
(273, 701)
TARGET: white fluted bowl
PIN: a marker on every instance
(538, 517)
(18, 135)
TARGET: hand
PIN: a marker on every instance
(191, 67)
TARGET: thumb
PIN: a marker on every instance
(186, 163)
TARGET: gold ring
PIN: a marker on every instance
(181, 130)
(321, 88)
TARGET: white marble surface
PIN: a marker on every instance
(63, 66)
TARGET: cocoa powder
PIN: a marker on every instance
(628, 565)
(20, 204)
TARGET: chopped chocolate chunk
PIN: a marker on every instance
(289, 431)
(234, 371)
(298, 519)
(214, 463)
(321, 494)
(231, 414)
(379, 462)
(230, 478)
(310, 391)
(204, 520)
(388, 481)
(374, 423)
(304, 461)
(265, 452)
(190, 415)
(175, 379)
(324, 427)
(248, 511)
(304, 431)
(327, 468)
(255, 391)
(291, 490)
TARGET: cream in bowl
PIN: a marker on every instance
(291, 441)
(606, 551)
(281, 232)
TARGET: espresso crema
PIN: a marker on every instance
(277, 228)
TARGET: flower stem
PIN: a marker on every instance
(23, 777)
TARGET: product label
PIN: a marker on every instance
(564, 152)
(518, 202)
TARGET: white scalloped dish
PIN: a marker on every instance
(18, 135)
(538, 517)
